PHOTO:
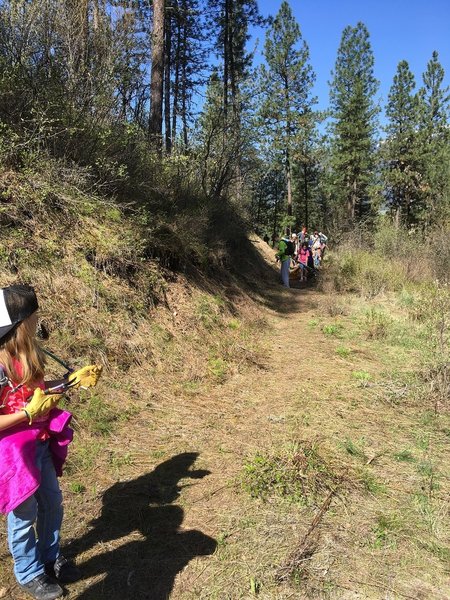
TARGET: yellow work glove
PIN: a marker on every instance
(40, 404)
(85, 377)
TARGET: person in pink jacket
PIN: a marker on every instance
(303, 255)
(34, 435)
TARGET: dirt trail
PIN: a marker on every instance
(176, 522)
(250, 412)
(204, 443)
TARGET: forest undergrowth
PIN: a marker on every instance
(245, 440)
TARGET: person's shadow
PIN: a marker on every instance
(145, 566)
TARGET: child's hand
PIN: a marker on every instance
(85, 377)
(41, 403)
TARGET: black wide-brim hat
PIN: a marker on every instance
(17, 302)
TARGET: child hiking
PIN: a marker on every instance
(34, 435)
(303, 255)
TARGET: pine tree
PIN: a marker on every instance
(434, 103)
(188, 64)
(286, 84)
(354, 112)
(229, 21)
(400, 151)
(131, 50)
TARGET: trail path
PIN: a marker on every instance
(213, 436)
(248, 413)
(176, 522)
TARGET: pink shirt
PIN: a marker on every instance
(303, 256)
(15, 397)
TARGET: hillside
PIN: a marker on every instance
(245, 440)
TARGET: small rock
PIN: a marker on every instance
(276, 418)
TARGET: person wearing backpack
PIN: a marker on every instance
(284, 254)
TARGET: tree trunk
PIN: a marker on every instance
(157, 71)
(288, 183)
(275, 214)
(258, 213)
(184, 88)
(95, 16)
(305, 186)
(351, 203)
(176, 83)
(226, 56)
(398, 216)
(167, 64)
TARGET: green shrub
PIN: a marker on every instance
(218, 368)
(366, 273)
(377, 324)
(333, 329)
(355, 449)
(343, 352)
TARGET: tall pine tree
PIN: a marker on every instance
(286, 85)
(354, 112)
(400, 151)
(434, 104)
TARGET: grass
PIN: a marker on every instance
(377, 324)
(404, 456)
(385, 530)
(363, 377)
(218, 368)
(333, 329)
(355, 449)
(190, 373)
(343, 351)
(298, 474)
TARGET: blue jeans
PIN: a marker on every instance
(33, 527)
(285, 271)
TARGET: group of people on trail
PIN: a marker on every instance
(34, 437)
(300, 253)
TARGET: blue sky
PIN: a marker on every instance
(399, 30)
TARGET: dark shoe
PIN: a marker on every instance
(42, 588)
(63, 570)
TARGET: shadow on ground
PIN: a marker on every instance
(155, 548)
(249, 269)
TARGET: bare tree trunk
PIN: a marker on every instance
(306, 191)
(157, 71)
(167, 64)
(351, 202)
(176, 83)
(288, 182)
(287, 165)
(232, 67)
(84, 20)
(184, 82)
(275, 213)
(95, 16)
(226, 57)
(397, 216)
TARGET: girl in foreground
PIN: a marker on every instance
(34, 436)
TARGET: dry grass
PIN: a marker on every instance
(203, 376)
